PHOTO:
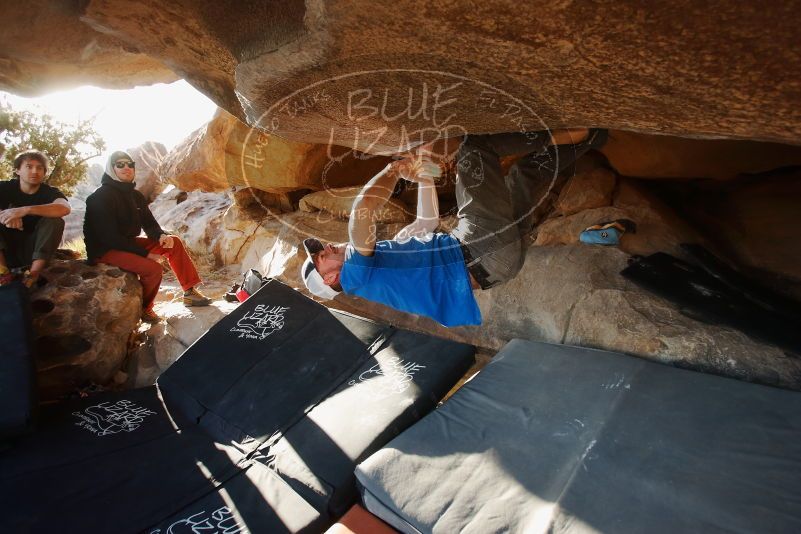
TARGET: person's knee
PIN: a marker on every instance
(52, 223)
(51, 229)
(152, 270)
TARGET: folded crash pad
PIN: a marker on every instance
(255, 500)
(558, 438)
(17, 370)
(317, 394)
(393, 389)
(114, 463)
(79, 430)
(169, 457)
(259, 369)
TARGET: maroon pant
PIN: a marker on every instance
(150, 271)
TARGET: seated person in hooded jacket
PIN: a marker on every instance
(31, 218)
(116, 213)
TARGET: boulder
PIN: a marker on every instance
(159, 345)
(198, 162)
(338, 202)
(196, 218)
(46, 46)
(225, 152)
(217, 231)
(148, 157)
(664, 156)
(585, 190)
(83, 318)
(755, 221)
(358, 74)
(575, 295)
(659, 227)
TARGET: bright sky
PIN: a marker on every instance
(165, 113)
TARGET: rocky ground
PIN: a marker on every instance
(154, 347)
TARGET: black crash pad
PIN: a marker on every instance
(393, 389)
(17, 363)
(79, 430)
(256, 500)
(147, 459)
(558, 438)
(115, 463)
(714, 293)
(259, 369)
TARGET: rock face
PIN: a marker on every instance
(595, 195)
(83, 318)
(585, 190)
(676, 68)
(158, 346)
(575, 295)
(46, 46)
(337, 203)
(196, 217)
(755, 220)
(226, 153)
(148, 157)
(322, 71)
(663, 156)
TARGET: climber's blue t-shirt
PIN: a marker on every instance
(423, 277)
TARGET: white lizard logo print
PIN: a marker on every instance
(261, 322)
(110, 418)
(390, 377)
(220, 521)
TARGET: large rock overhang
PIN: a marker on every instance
(320, 71)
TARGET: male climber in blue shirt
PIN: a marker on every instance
(434, 274)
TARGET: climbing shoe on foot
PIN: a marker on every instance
(149, 316)
(193, 297)
(6, 276)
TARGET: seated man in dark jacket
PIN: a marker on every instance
(116, 214)
(31, 218)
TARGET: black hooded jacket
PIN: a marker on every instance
(116, 213)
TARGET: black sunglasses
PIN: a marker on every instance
(122, 164)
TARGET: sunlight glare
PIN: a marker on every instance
(165, 113)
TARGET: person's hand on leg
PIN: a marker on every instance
(166, 241)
